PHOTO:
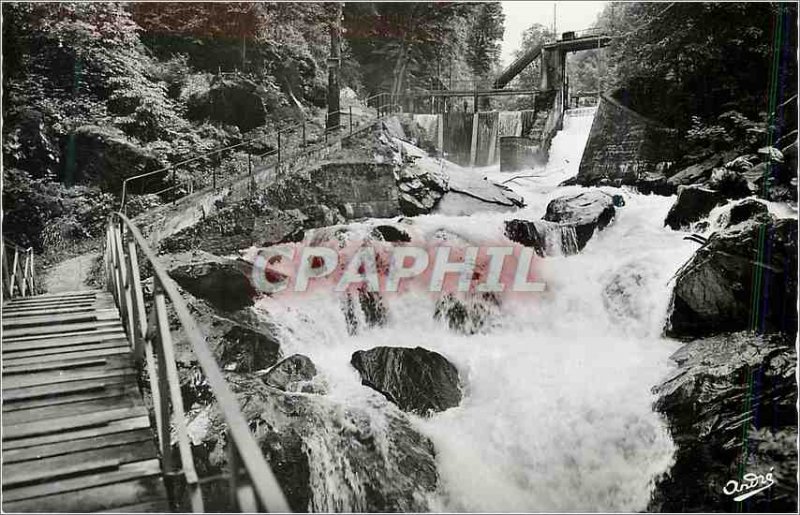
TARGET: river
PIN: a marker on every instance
(557, 409)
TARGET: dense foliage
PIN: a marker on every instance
(399, 47)
(683, 59)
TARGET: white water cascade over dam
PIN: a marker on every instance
(556, 413)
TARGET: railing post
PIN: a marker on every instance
(139, 315)
(350, 109)
(174, 187)
(32, 285)
(162, 407)
(304, 133)
(214, 172)
(242, 495)
(6, 274)
(127, 302)
(13, 273)
(279, 152)
(168, 374)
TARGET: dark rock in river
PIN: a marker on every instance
(729, 183)
(692, 204)
(417, 380)
(654, 183)
(730, 407)
(363, 309)
(696, 173)
(742, 278)
(747, 209)
(588, 212)
(467, 314)
(546, 238)
(245, 350)
(293, 374)
(224, 283)
(326, 456)
(420, 189)
(392, 233)
(531, 233)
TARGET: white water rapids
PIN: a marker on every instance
(557, 409)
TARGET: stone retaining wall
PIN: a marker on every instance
(623, 145)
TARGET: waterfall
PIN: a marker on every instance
(509, 123)
(557, 408)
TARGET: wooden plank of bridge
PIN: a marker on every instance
(76, 434)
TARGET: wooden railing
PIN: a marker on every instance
(306, 141)
(253, 484)
(19, 277)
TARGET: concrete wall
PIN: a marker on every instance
(471, 140)
(623, 145)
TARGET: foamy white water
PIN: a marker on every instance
(557, 410)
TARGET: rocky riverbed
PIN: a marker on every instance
(632, 382)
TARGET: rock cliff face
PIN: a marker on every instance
(743, 278)
(235, 101)
(326, 456)
(730, 406)
(224, 283)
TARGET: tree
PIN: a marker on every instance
(683, 59)
(533, 37)
(402, 46)
(485, 35)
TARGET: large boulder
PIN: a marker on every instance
(417, 380)
(239, 226)
(546, 238)
(692, 204)
(224, 283)
(327, 457)
(105, 156)
(730, 183)
(420, 189)
(293, 374)
(745, 210)
(730, 407)
(231, 100)
(696, 173)
(243, 349)
(742, 278)
(587, 212)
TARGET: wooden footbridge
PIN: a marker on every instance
(77, 435)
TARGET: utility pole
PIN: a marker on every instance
(555, 33)
(333, 70)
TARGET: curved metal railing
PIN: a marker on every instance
(19, 278)
(253, 484)
(381, 102)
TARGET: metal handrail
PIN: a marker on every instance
(384, 110)
(246, 144)
(254, 487)
(19, 279)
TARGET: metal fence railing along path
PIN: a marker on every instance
(306, 140)
(253, 484)
(19, 275)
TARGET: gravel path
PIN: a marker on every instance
(70, 275)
